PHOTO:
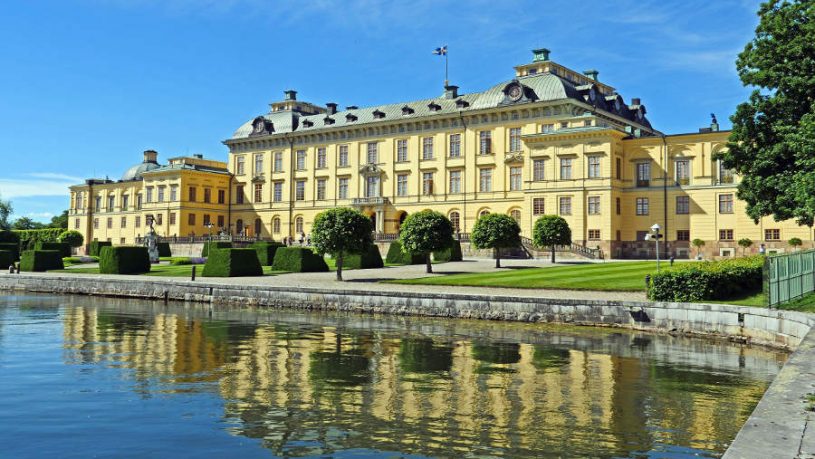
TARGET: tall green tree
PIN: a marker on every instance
(5, 212)
(426, 232)
(496, 231)
(772, 145)
(341, 231)
(550, 231)
(59, 221)
(25, 223)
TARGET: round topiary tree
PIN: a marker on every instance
(341, 231)
(795, 242)
(496, 231)
(551, 230)
(72, 238)
(426, 232)
(698, 244)
(745, 243)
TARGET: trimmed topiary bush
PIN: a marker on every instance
(29, 238)
(124, 260)
(266, 251)
(71, 237)
(298, 260)
(212, 245)
(96, 247)
(63, 247)
(12, 247)
(40, 260)
(232, 263)
(451, 254)
(369, 259)
(709, 280)
(9, 237)
(395, 256)
(6, 259)
(164, 249)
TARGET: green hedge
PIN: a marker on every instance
(6, 259)
(370, 259)
(709, 280)
(266, 251)
(232, 263)
(29, 238)
(95, 249)
(215, 245)
(298, 260)
(41, 260)
(124, 260)
(9, 237)
(451, 254)
(63, 247)
(397, 257)
(12, 247)
(164, 249)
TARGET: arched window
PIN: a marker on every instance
(455, 219)
(276, 225)
(258, 227)
(483, 212)
(515, 214)
(239, 226)
(298, 225)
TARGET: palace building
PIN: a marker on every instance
(549, 140)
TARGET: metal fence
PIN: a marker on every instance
(789, 276)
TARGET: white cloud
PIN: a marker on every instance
(61, 177)
(40, 215)
(40, 184)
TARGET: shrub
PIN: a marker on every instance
(369, 259)
(709, 280)
(9, 237)
(124, 260)
(425, 232)
(71, 237)
(396, 256)
(298, 260)
(40, 260)
(12, 247)
(29, 238)
(212, 245)
(63, 247)
(266, 251)
(96, 247)
(451, 254)
(164, 249)
(180, 261)
(6, 259)
(230, 262)
(795, 242)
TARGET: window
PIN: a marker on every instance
(159, 219)
(372, 187)
(111, 200)
(320, 189)
(618, 205)
(258, 192)
(455, 146)
(483, 213)
(594, 205)
(642, 206)
(76, 223)
(401, 151)
(300, 190)
(258, 164)
(515, 139)
(538, 207)
(298, 225)
(342, 188)
(485, 142)
(594, 234)
(619, 168)
(772, 234)
(565, 205)
(191, 219)
(137, 223)
(278, 161)
(343, 156)
(726, 203)
(278, 191)
(484, 180)
(643, 174)
(221, 196)
(239, 197)
(641, 235)
(123, 222)
(547, 128)
(207, 195)
(121, 240)
(95, 223)
(149, 190)
(427, 148)
(516, 215)
(301, 160)
(682, 205)
(79, 202)
(239, 226)
(220, 221)
(726, 234)
(594, 166)
(725, 174)
(515, 178)
(538, 170)
(427, 183)
(683, 235)
(565, 168)
(401, 184)
(372, 153)
(276, 225)
(682, 172)
(455, 219)
(192, 194)
(172, 218)
(239, 165)
(564, 124)
(173, 193)
(206, 219)
(455, 182)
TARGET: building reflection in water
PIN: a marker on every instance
(307, 384)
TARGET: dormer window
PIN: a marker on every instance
(350, 118)
(308, 123)
(407, 110)
(434, 107)
(378, 115)
(328, 120)
(461, 103)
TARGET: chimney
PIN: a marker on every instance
(591, 73)
(714, 123)
(636, 101)
(198, 155)
(450, 92)
(332, 108)
(150, 156)
(540, 55)
(290, 94)
(351, 107)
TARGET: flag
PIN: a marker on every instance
(440, 51)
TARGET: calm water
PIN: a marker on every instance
(90, 377)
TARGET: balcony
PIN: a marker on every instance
(683, 181)
(370, 201)
(643, 183)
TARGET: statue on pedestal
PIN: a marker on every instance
(151, 241)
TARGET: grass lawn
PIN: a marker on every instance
(805, 303)
(163, 271)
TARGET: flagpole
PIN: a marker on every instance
(446, 81)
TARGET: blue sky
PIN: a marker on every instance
(87, 85)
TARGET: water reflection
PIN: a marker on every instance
(321, 384)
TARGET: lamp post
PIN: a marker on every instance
(209, 229)
(656, 229)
